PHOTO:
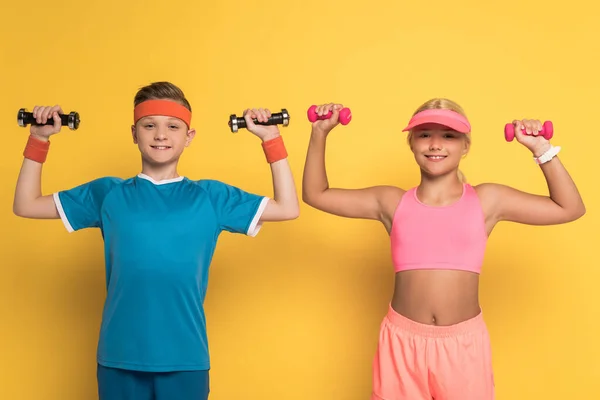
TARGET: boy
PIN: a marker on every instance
(160, 230)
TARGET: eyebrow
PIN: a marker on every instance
(447, 130)
(170, 119)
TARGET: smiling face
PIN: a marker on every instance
(161, 139)
(438, 149)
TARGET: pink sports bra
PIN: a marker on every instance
(445, 237)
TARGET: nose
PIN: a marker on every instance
(160, 134)
(434, 144)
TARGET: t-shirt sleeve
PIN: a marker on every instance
(80, 206)
(237, 210)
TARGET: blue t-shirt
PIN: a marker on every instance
(159, 240)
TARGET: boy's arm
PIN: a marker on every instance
(239, 211)
(29, 201)
(78, 207)
(284, 205)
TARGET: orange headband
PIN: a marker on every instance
(162, 107)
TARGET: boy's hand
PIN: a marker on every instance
(264, 132)
(43, 114)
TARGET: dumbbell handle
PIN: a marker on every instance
(29, 119)
(71, 120)
(281, 118)
(547, 131)
(345, 115)
(274, 119)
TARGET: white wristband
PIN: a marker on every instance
(547, 156)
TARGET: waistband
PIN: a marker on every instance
(472, 325)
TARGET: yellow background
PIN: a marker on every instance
(294, 313)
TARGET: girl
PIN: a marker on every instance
(433, 342)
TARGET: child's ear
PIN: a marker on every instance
(467, 147)
(191, 133)
(134, 134)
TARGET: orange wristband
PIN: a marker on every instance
(274, 149)
(36, 150)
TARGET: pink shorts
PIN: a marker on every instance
(415, 361)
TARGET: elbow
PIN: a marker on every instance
(19, 211)
(293, 212)
(580, 212)
(309, 198)
(575, 214)
(288, 212)
(286, 215)
(306, 198)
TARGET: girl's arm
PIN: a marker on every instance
(367, 203)
(563, 203)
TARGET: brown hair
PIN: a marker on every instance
(161, 90)
(443, 104)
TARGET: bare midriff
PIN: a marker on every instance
(436, 297)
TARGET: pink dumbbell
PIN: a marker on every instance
(547, 131)
(345, 115)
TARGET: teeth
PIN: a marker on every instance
(436, 157)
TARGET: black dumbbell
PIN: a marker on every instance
(283, 118)
(71, 120)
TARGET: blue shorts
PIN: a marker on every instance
(120, 384)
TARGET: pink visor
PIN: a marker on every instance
(448, 118)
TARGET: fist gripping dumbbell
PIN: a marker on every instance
(547, 131)
(345, 115)
(283, 118)
(71, 120)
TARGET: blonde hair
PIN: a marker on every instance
(443, 104)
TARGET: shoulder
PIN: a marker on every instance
(207, 184)
(212, 187)
(494, 195)
(221, 191)
(97, 186)
(486, 191)
(111, 181)
(107, 183)
(390, 198)
(504, 195)
(386, 195)
(390, 194)
(493, 191)
(484, 188)
(102, 187)
(89, 194)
